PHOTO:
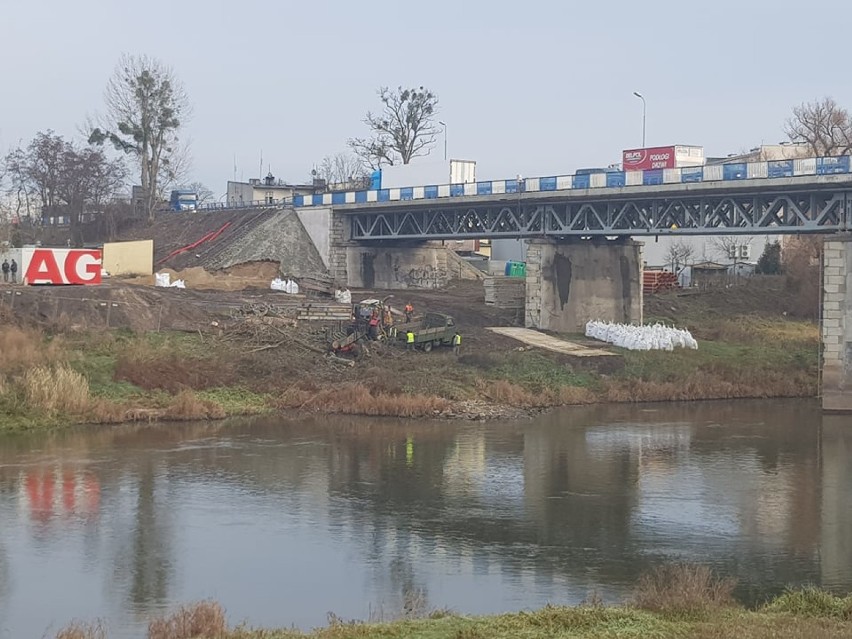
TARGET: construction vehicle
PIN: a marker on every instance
(436, 329)
(372, 320)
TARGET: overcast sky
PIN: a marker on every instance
(535, 87)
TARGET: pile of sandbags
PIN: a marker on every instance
(286, 286)
(641, 338)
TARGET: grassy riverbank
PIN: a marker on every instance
(120, 376)
(670, 602)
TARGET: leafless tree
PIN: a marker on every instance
(823, 125)
(146, 107)
(730, 247)
(204, 194)
(404, 129)
(679, 254)
(65, 180)
(342, 171)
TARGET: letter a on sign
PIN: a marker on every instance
(64, 266)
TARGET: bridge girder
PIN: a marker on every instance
(745, 213)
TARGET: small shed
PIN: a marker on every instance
(708, 274)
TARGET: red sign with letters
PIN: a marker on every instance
(660, 157)
(62, 266)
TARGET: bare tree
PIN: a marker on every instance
(342, 171)
(823, 125)
(204, 194)
(146, 106)
(731, 247)
(404, 129)
(65, 180)
(679, 254)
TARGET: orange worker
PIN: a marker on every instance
(409, 311)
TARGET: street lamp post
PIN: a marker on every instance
(444, 124)
(644, 111)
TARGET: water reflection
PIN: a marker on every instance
(285, 520)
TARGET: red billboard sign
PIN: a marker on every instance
(62, 266)
(660, 157)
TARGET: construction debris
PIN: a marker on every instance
(505, 292)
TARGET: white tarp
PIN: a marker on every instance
(162, 279)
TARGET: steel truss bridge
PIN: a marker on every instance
(753, 207)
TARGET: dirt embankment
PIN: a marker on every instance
(246, 351)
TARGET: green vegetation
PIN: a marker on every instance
(674, 601)
(51, 381)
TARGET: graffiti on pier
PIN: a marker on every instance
(426, 276)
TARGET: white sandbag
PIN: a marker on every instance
(162, 279)
(641, 338)
(178, 284)
(277, 284)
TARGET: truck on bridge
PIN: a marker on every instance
(183, 200)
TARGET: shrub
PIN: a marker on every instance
(186, 405)
(683, 589)
(202, 620)
(80, 630)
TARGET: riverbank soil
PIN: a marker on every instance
(136, 353)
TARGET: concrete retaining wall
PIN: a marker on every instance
(317, 223)
(837, 325)
(281, 238)
(571, 282)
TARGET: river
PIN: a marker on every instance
(285, 520)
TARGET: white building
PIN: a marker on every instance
(265, 191)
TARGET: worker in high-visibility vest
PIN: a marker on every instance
(409, 340)
(457, 344)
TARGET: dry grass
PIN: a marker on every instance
(202, 620)
(683, 589)
(187, 406)
(510, 394)
(701, 385)
(80, 630)
(56, 390)
(23, 348)
(358, 399)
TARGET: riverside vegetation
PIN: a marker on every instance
(118, 376)
(671, 601)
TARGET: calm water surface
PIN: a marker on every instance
(283, 521)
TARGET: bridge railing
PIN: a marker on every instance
(254, 204)
(603, 180)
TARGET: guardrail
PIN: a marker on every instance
(584, 181)
(609, 179)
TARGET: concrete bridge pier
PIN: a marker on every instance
(572, 281)
(837, 325)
